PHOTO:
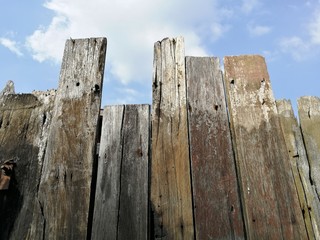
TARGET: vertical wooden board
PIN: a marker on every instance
(133, 209)
(309, 202)
(171, 197)
(23, 130)
(217, 206)
(270, 201)
(106, 207)
(309, 115)
(64, 191)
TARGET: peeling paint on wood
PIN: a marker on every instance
(309, 202)
(270, 201)
(217, 208)
(171, 196)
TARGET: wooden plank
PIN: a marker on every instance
(64, 191)
(106, 207)
(121, 204)
(171, 197)
(309, 115)
(133, 212)
(24, 124)
(300, 168)
(216, 197)
(270, 201)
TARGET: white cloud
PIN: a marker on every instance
(11, 45)
(249, 5)
(299, 49)
(258, 30)
(314, 28)
(131, 27)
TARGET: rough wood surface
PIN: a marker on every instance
(270, 201)
(309, 202)
(24, 124)
(64, 191)
(309, 115)
(171, 197)
(217, 207)
(121, 205)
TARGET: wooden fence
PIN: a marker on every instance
(214, 157)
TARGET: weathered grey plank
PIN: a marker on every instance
(24, 124)
(309, 115)
(121, 204)
(106, 207)
(133, 209)
(309, 202)
(64, 191)
(270, 201)
(217, 206)
(171, 197)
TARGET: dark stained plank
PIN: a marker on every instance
(309, 201)
(171, 198)
(24, 125)
(215, 189)
(121, 202)
(64, 191)
(270, 201)
(133, 212)
(106, 207)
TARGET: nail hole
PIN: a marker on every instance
(216, 107)
(77, 84)
(232, 81)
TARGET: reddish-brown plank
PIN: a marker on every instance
(217, 206)
(270, 201)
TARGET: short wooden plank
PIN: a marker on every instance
(64, 191)
(300, 168)
(309, 115)
(106, 207)
(171, 197)
(270, 201)
(24, 124)
(133, 209)
(216, 197)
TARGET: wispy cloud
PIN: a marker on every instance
(11, 45)
(302, 48)
(258, 30)
(249, 5)
(131, 30)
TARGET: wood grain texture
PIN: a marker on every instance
(121, 205)
(270, 201)
(309, 115)
(309, 201)
(171, 197)
(24, 125)
(217, 205)
(64, 191)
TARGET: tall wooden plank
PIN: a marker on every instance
(121, 204)
(217, 207)
(171, 197)
(270, 201)
(133, 209)
(64, 191)
(24, 124)
(106, 207)
(309, 115)
(309, 201)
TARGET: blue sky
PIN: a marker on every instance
(286, 33)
